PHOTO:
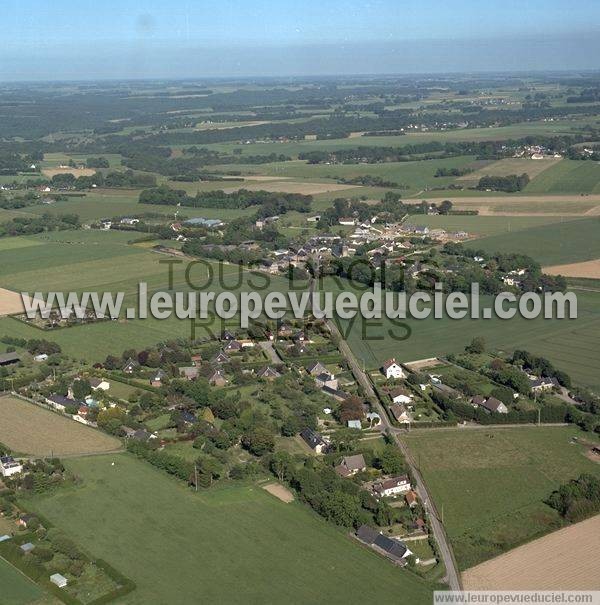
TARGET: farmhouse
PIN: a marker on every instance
(350, 465)
(538, 385)
(392, 486)
(7, 359)
(9, 466)
(60, 403)
(391, 548)
(314, 440)
(391, 369)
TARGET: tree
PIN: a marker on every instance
(477, 346)
(390, 460)
(259, 440)
(81, 388)
(280, 463)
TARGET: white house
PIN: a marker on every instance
(401, 396)
(392, 487)
(9, 466)
(392, 369)
(99, 384)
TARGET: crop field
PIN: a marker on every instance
(491, 483)
(28, 429)
(304, 188)
(568, 176)
(76, 172)
(570, 344)
(533, 168)
(227, 545)
(558, 243)
(588, 269)
(564, 560)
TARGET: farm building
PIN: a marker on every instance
(209, 223)
(7, 359)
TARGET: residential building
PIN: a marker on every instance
(268, 373)
(99, 384)
(391, 369)
(350, 465)
(314, 440)
(9, 466)
(392, 486)
(400, 413)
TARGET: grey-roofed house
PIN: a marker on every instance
(315, 368)
(350, 465)
(314, 440)
(367, 534)
(491, 404)
(392, 548)
(189, 372)
(7, 359)
(27, 547)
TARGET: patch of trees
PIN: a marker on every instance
(174, 465)
(127, 178)
(371, 181)
(99, 162)
(452, 172)
(46, 222)
(510, 183)
(577, 499)
(540, 366)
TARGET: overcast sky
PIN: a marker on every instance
(59, 39)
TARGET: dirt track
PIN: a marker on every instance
(564, 560)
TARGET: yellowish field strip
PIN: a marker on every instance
(564, 560)
(590, 268)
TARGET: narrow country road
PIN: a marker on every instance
(452, 574)
(269, 349)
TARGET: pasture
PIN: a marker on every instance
(532, 168)
(31, 430)
(568, 176)
(564, 560)
(569, 343)
(233, 544)
(491, 482)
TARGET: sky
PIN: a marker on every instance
(109, 39)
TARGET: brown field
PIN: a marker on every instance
(10, 302)
(50, 172)
(29, 429)
(293, 187)
(563, 560)
(589, 268)
(279, 491)
(264, 177)
(511, 166)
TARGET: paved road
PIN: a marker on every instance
(452, 573)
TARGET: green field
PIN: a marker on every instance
(15, 588)
(570, 344)
(491, 483)
(228, 545)
(562, 242)
(568, 176)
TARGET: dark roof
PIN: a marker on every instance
(334, 392)
(62, 400)
(392, 547)
(7, 358)
(312, 437)
(366, 534)
(188, 417)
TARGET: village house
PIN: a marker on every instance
(400, 395)
(400, 413)
(233, 346)
(157, 379)
(391, 487)
(391, 369)
(394, 549)
(218, 379)
(337, 394)
(325, 379)
(350, 465)
(315, 368)
(314, 440)
(61, 403)
(220, 358)
(25, 520)
(189, 372)
(131, 365)
(489, 404)
(9, 466)
(539, 385)
(99, 384)
(411, 499)
(268, 373)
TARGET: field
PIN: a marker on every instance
(568, 176)
(589, 269)
(229, 545)
(15, 588)
(570, 344)
(533, 168)
(564, 560)
(76, 172)
(558, 243)
(304, 188)
(29, 429)
(10, 302)
(491, 483)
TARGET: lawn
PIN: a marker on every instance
(567, 241)
(571, 344)
(15, 588)
(228, 545)
(491, 483)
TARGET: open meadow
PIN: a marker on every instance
(235, 544)
(491, 483)
(31, 430)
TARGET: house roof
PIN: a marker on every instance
(366, 534)
(354, 424)
(478, 400)
(492, 404)
(397, 410)
(95, 382)
(268, 371)
(394, 548)
(389, 363)
(312, 437)
(354, 463)
(391, 483)
(411, 497)
(9, 358)
(62, 400)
